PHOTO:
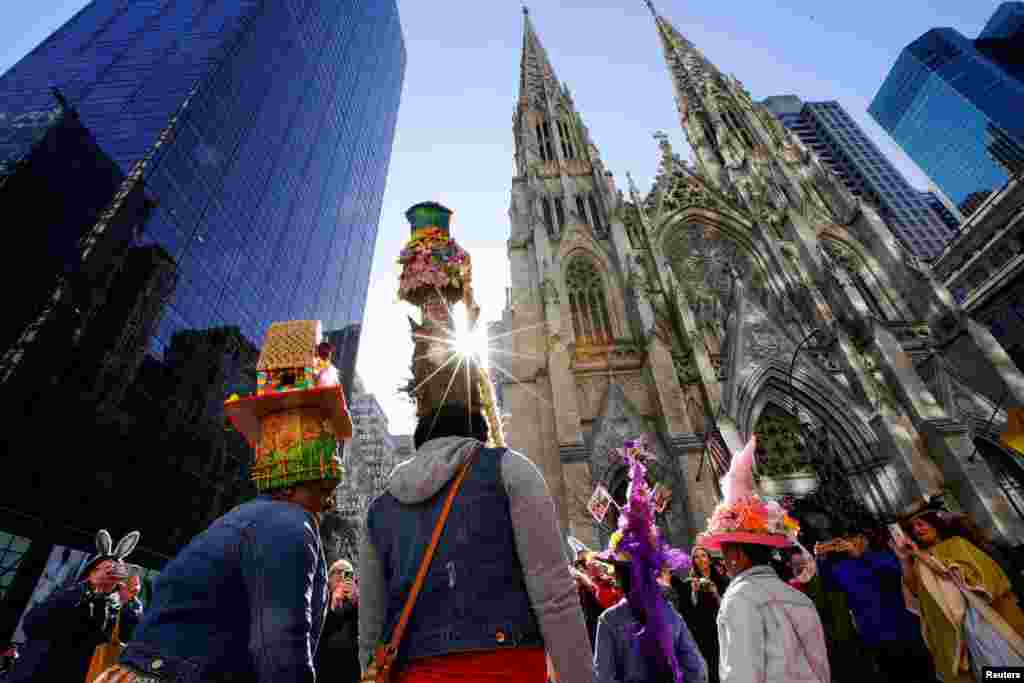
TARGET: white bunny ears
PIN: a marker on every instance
(105, 545)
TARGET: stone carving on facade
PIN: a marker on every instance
(549, 291)
(686, 368)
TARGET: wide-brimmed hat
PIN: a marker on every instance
(298, 415)
(743, 516)
(929, 503)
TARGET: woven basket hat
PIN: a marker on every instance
(298, 415)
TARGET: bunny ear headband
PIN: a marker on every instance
(106, 550)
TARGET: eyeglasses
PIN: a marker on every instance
(345, 574)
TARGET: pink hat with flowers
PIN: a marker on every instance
(742, 516)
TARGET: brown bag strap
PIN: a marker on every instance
(421, 575)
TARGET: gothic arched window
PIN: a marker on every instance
(586, 297)
(564, 132)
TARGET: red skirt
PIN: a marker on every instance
(525, 664)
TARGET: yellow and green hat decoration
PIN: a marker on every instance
(298, 415)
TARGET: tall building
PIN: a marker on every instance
(368, 458)
(954, 105)
(939, 208)
(1002, 39)
(829, 131)
(251, 142)
(747, 292)
(346, 353)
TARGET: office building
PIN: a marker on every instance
(346, 353)
(984, 267)
(954, 106)
(1002, 39)
(830, 132)
(945, 214)
(248, 141)
(368, 458)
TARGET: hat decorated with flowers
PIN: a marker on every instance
(743, 516)
(436, 275)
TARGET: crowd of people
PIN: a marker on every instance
(462, 574)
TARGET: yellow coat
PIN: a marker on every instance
(941, 605)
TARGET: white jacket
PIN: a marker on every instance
(769, 632)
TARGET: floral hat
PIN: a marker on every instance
(436, 275)
(742, 516)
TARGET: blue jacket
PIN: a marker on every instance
(873, 587)
(63, 632)
(617, 660)
(458, 609)
(243, 601)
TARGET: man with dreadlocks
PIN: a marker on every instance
(643, 638)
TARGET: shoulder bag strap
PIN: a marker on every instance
(421, 575)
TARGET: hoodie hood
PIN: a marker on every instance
(435, 463)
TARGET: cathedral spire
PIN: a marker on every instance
(536, 75)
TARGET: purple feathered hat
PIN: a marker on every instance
(638, 541)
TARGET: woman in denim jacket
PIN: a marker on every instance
(643, 638)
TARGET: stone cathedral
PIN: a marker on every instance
(746, 292)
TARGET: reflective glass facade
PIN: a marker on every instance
(268, 195)
(951, 108)
(275, 121)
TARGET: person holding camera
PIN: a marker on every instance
(872, 583)
(64, 630)
(700, 595)
(337, 658)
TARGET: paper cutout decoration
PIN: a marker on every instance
(662, 497)
(599, 503)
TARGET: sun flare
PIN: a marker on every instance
(469, 342)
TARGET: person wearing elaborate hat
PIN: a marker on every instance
(245, 600)
(498, 592)
(64, 630)
(767, 630)
(970, 617)
(643, 638)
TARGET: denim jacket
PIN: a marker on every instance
(618, 660)
(459, 608)
(244, 601)
(500, 572)
(64, 629)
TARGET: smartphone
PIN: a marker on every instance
(896, 531)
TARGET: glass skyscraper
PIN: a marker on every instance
(266, 127)
(268, 195)
(954, 106)
(844, 148)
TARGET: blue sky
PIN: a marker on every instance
(454, 142)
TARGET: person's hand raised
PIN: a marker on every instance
(129, 590)
(904, 548)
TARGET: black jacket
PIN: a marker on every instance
(63, 632)
(337, 658)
